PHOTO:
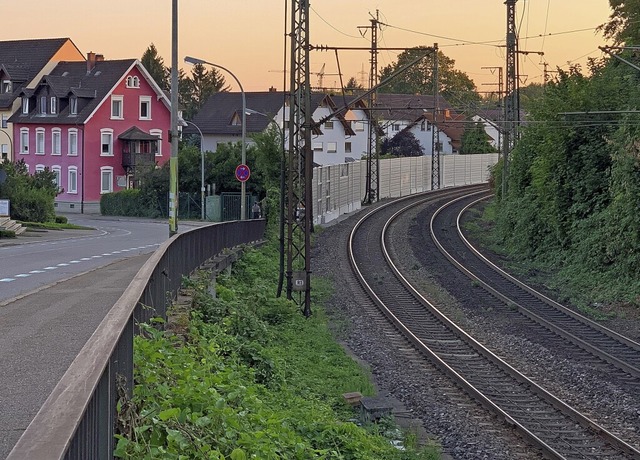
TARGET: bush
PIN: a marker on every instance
(32, 205)
(7, 234)
(61, 220)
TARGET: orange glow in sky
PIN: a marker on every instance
(247, 36)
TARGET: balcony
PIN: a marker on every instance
(138, 149)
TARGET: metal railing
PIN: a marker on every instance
(77, 420)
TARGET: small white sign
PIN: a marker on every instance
(4, 208)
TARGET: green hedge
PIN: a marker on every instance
(130, 202)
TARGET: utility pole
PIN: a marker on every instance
(372, 187)
(174, 134)
(435, 132)
(511, 101)
(300, 167)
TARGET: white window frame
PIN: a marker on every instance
(43, 105)
(73, 105)
(24, 141)
(395, 127)
(328, 125)
(54, 105)
(318, 147)
(56, 141)
(4, 151)
(57, 170)
(72, 180)
(108, 170)
(25, 105)
(7, 87)
(358, 126)
(332, 147)
(158, 134)
(117, 101)
(347, 147)
(40, 141)
(144, 100)
(5, 120)
(72, 142)
(39, 168)
(106, 132)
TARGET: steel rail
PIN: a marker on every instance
(486, 401)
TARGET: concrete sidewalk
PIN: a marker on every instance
(43, 332)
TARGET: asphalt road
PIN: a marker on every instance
(55, 288)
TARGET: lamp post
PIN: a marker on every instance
(243, 189)
(283, 162)
(202, 189)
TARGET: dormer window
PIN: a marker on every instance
(25, 105)
(43, 105)
(73, 105)
(54, 105)
(6, 86)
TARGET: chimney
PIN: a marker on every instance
(272, 89)
(91, 61)
(99, 57)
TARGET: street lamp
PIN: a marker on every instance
(202, 213)
(243, 189)
(283, 162)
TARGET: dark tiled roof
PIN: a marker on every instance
(217, 113)
(22, 60)
(136, 134)
(91, 87)
(406, 106)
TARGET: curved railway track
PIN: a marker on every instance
(595, 345)
(552, 426)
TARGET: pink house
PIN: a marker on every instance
(94, 124)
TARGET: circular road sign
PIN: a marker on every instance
(242, 173)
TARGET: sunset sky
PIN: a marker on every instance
(247, 36)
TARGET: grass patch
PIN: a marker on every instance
(54, 226)
(251, 378)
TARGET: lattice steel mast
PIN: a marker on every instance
(511, 103)
(372, 188)
(435, 132)
(300, 162)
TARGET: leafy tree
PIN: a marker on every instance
(622, 26)
(197, 88)
(155, 66)
(475, 139)
(529, 94)
(31, 196)
(454, 85)
(353, 85)
(403, 144)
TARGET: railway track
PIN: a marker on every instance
(552, 426)
(596, 345)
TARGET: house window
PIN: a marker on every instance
(423, 125)
(116, 107)
(438, 146)
(106, 179)
(347, 147)
(54, 105)
(57, 180)
(332, 147)
(39, 168)
(56, 141)
(73, 142)
(43, 105)
(40, 141)
(106, 140)
(25, 105)
(133, 82)
(318, 147)
(328, 125)
(72, 180)
(395, 127)
(5, 117)
(6, 86)
(158, 134)
(145, 107)
(24, 140)
(4, 150)
(358, 126)
(73, 106)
